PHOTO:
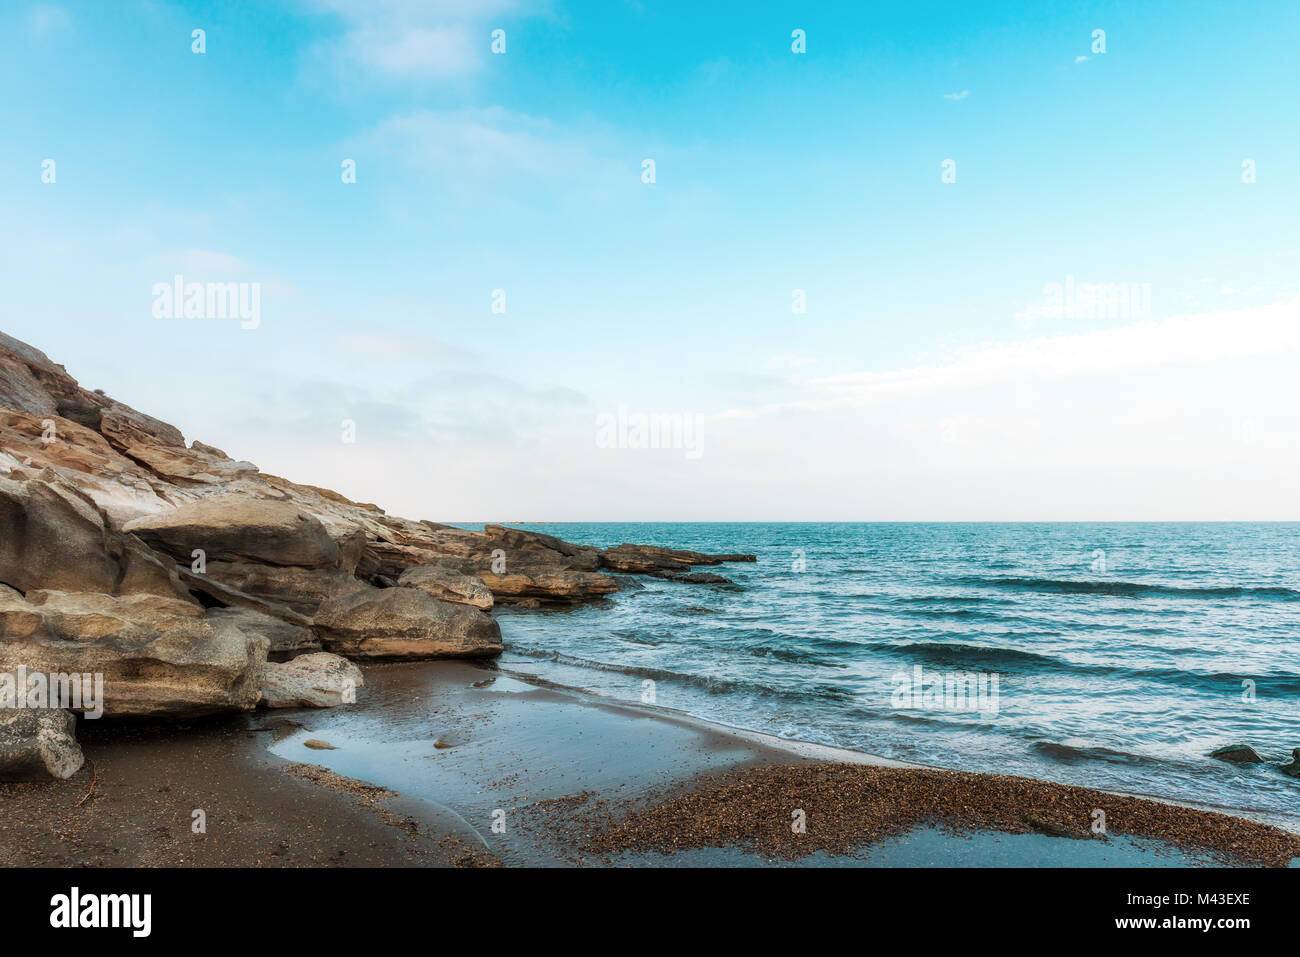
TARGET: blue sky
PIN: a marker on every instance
(925, 380)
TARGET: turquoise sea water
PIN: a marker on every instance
(1124, 653)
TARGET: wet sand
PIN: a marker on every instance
(455, 764)
(133, 804)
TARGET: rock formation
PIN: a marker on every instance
(174, 571)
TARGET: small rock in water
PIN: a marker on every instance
(1293, 768)
(484, 683)
(443, 744)
(1239, 753)
(316, 744)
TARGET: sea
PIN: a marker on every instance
(1114, 656)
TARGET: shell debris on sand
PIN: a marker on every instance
(849, 806)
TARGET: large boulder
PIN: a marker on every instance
(240, 528)
(448, 584)
(53, 537)
(157, 656)
(320, 680)
(38, 743)
(405, 623)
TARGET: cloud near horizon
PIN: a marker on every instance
(1177, 340)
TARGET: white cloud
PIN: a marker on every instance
(1178, 340)
(412, 40)
(1080, 59)
(957, 96)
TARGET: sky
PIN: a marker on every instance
(853, 255)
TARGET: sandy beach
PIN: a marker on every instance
(455, 764)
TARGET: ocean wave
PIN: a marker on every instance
(965, 599)
(715, 685)
(955, 652)
(1069, 586)
(945, 614)
(991, 658)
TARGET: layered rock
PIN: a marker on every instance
(271, 551)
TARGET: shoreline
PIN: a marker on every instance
(835, 753)
(435, 754)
